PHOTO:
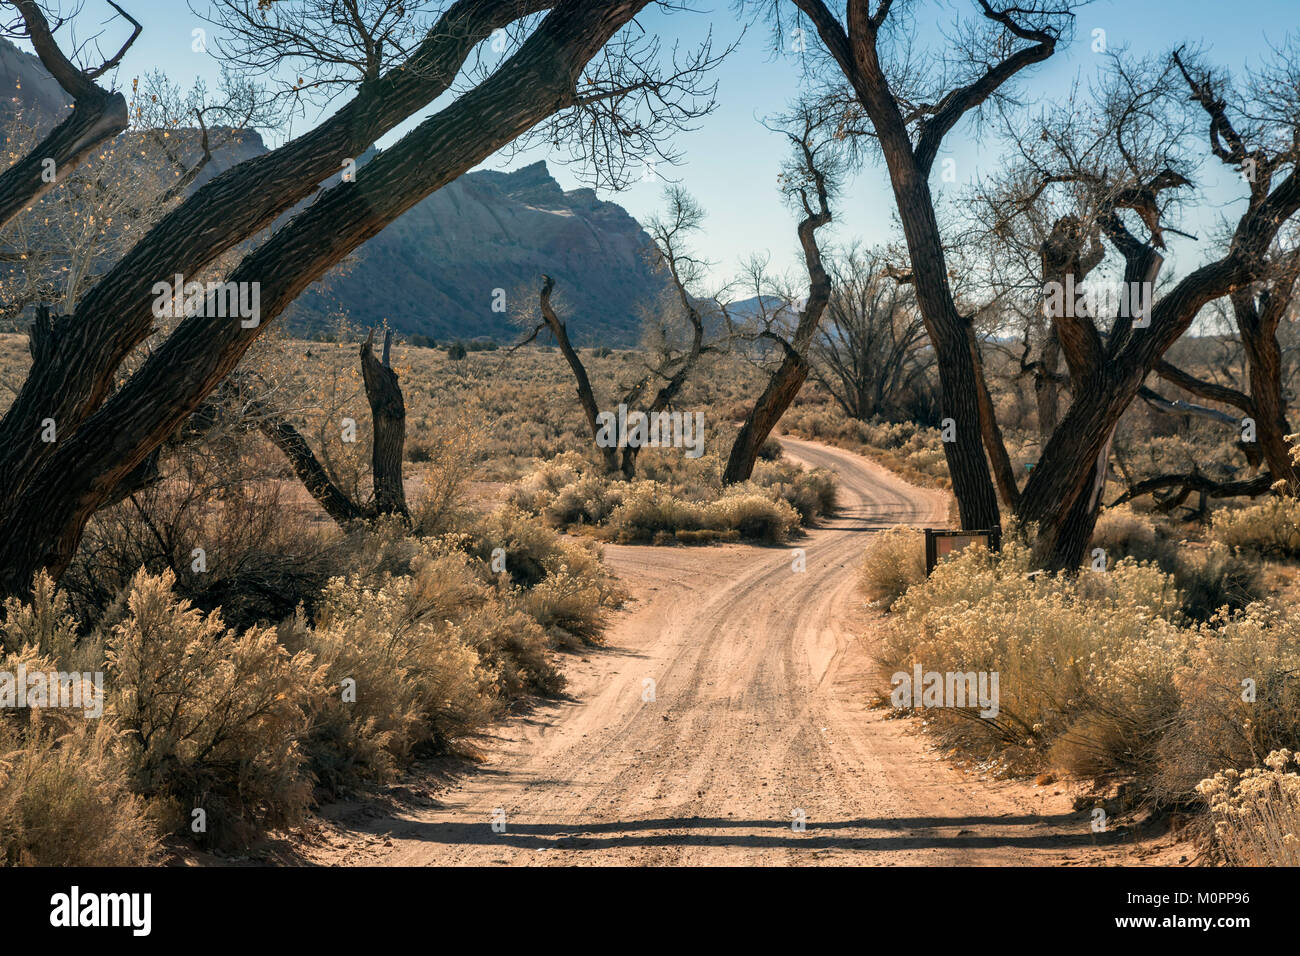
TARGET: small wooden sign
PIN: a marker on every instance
(941, 542)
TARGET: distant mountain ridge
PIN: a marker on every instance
(436, 269)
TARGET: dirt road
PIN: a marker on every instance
(756, 717)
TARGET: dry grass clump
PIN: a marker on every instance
(812, 493)
(414, 647)
(894, 561)
(650, 513)
(1271, 526)
(1058, 645)
(214, 719)
(1102, 674)
(677, 500)
(1256, 813)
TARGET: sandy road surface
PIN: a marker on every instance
(761, 676)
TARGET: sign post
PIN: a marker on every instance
(941, 542)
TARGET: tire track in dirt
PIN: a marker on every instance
(762, 678)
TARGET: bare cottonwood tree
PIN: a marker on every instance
(1133, 170)
(907, 112)
(48, 489)
(673, 339)
(872, 354)
(807, 181)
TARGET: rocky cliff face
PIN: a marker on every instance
(436, 270)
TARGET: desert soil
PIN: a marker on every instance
(762, 681)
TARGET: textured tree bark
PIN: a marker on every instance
(1047, 390)
(388, 420)
(71, 478)
(968, 467)
(1257, 322)
(991, 432)
(781, 389)
(1065, 527)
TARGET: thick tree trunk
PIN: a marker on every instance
(968, 467)
(1258, 328)
(388, 420)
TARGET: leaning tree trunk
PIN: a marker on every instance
(586, 395)
(116, 316)
(781, 390)
(789, 377)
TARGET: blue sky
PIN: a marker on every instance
(730, 163)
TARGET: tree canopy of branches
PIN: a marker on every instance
(906, 111)
(103, 429)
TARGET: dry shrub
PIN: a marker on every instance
(1271, 526)
(1122, 532)
(649, 508)
(1209, 579)
(397, 682)
(214, 717)
(449, 452)
(590, 500)
(894, 561)
(754, 515)
(1063, 648)
(569, 606)
(1240, 693)
(1256, 813)
(651, 513)
(676, 499)
(65, 796)
(1102, 674)
(261, 555)
(559, 582)
(811, 493)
